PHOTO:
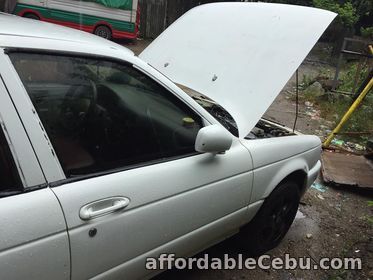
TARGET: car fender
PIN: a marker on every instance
(267, 178)
(276, 159)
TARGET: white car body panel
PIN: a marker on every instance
(29, 170)
(201, 238)
(239, 54)
(16, 28)
(181, 205)
(34, 242)
(274, 161)
(215, 185)
(270, 150)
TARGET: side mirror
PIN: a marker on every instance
(213, 139)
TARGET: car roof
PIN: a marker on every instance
(15, 31)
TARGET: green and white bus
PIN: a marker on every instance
(106, 18)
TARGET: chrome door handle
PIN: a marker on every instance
(103, 207)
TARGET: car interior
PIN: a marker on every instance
(106, 117)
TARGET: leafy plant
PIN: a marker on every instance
(347, 14)
(347, 76)
(369, 219)
(367, 32)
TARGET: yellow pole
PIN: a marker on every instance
(349, 113)
(350, 110)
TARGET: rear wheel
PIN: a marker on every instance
(273, 220)
(103, 31)
(31, 16)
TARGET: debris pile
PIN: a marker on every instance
(348, 146)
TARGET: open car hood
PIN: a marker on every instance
(238, 54)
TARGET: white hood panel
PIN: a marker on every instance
(239, 54)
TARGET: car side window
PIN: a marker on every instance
(102, 115)
(9, 178)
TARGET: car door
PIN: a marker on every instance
(133, 185)
(33, 237)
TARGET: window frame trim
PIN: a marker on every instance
(25, 162)
(119, 169)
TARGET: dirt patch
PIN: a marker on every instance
(284, 107)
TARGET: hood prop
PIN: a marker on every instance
(296, 100)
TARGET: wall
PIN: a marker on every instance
(152, 17)
(2, 3)
(157, 15)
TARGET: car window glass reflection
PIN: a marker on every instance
(102, 115)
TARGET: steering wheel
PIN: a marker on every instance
(79, 104)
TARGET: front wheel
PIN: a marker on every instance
(273, 220)
(103, 31)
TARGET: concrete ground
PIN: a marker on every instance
(333, 223)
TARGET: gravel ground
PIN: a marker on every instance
(334, 223)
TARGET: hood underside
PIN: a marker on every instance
(238, 54)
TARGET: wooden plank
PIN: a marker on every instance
(143, 17)
(347, 169)
(153, 17)
(176, 8)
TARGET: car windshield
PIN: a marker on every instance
(217, 111)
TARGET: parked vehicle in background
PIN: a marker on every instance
(118, 19)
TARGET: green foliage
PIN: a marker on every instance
(367, 32)
(292, 2)
(347, 14)
(369, 219)
(364, 7)
(306, 81)
(347, 76)
(360, 120)
(333, 106)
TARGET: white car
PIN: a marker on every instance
(105, 161)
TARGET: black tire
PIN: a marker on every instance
(31, 16)
(103, 31)
(272, 221)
